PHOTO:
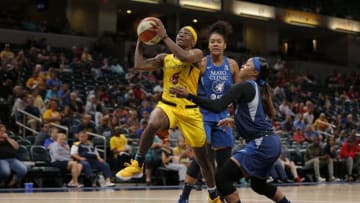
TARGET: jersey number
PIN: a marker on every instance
(174, 79)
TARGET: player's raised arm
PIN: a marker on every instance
(178, 47)
(149, 64)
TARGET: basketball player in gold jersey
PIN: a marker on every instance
(180, 69)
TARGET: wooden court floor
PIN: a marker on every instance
(323, 193)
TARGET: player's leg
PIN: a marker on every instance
(193, 171)
(158, 121)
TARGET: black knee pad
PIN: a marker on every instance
(226, 176)
(222, 155)
(193, 170)
(261, 187)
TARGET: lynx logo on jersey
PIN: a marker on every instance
(218, 89)
(218, 86)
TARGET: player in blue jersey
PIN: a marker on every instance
(218, 73)
(253, 114)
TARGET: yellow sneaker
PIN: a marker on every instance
(132, 170)
(216, 200)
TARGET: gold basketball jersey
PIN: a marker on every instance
(178, 73)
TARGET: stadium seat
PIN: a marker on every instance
(42, 170)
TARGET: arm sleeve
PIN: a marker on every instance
(241, 92)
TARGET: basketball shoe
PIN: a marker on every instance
(216, 200)
(132, 170)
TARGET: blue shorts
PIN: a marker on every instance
(259, 155)
(218, 137)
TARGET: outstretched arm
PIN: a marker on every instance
(241, 92)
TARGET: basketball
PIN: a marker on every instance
(144, 32)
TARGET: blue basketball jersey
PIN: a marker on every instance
(213, 84)
(251, 120)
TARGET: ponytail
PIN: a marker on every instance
(267, 103)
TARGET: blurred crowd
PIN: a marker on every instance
(85, 91)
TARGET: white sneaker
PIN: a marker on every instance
(321, 180)
(109, 184)
(333, 179)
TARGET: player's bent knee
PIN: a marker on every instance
(261, 187)
(193, 170)
(224, 182)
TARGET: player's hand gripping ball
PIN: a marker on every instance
(145, 32)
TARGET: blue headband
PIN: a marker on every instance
(257, 65)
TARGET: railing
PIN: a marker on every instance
(25, 127)
(23, 124)
(66, 129)
(104, 143)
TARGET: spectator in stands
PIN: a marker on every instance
(145, 116)
(181, 152)
(341, 138)
(339, 122)
(86, 57)
(322, 124)
(98, 115)
(21, 59)
(43, 134)
(120, 149)
(63, 62)
(105, 68)
(315, 158)
(287, 124)
(104, 127)
(350, 123)
(170, 161)
(52, 93)
(61, 158)
(350, 152)
(8, 162)
(85, 125)
(287, 163)
(85, 152)
(90, 107)
(37, 80)
(53, 80)
(299, 136)
(64, 94)
(285, 109)
(38, 100)
(116, 67)
(299, 122)
(52, 115)
(6, 54)
(308, 115)
(278, 173)
(53, 137)
(33, 110)
(143, 125)
(310, 133)
(76, 104)
(20, 97)
(331, 149)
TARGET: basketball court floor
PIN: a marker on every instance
(322, 193)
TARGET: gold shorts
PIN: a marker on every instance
(188, 119)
